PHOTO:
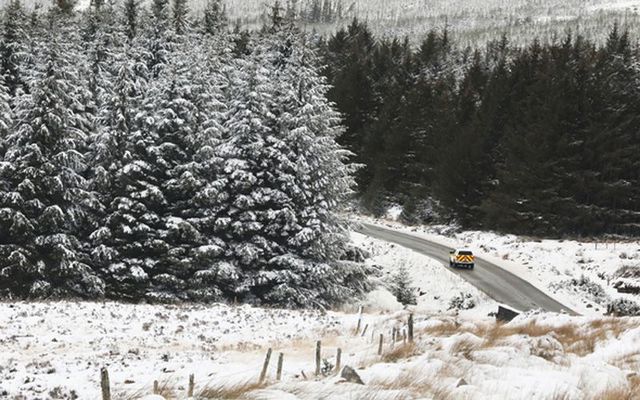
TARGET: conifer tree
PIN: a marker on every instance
(215, 19)
(281, 174)
(130, 9)
(43, 196)
(158, 38)
(180, 16)
(122, 244)
(12, 46)
(6, 116)
(401, 287)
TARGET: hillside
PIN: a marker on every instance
(471, 21)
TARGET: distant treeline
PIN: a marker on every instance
(540, 140)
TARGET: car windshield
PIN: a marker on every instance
(465, 253)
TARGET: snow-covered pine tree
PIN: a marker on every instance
(190, 115)
(309, 126)
(275, 204)
(155, 162)
(400, 286)
(100, 43)
(215, 18)
(240, 193)
(209, 61)
(180, 16)
(158, 37)
(130, 11)
(121, 248)
(6, 116)
(171, 115)
(42, 194)
(12, 46)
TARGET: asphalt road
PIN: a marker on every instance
(496, 282)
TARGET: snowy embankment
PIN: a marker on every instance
(56, 350)
(586, 276)
(436, 287)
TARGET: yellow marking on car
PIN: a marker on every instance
(464, 258)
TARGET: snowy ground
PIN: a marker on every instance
(55, 351)
(59, 348)
(582, 275)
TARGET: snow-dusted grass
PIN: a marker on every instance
(51, 345)
(580, 274)
(55, 351)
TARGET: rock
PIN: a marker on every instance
(350, 375)
(461, 382)
(505, 315)
(547, 347)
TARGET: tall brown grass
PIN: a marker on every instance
(225, 391)
(579, 340)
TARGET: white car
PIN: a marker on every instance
(461, 258)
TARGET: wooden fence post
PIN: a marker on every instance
(192, 385)
(263, 374)
(364, 330)
(104, 384)
(156, 387)
(279, 371)
(380, 345)
(393, 336)
(359, 320)
(410, 328)
(338, 360)
(318, 357)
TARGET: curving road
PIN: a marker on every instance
(496, 282)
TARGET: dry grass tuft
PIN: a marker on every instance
(631, 392)
(401, 352)
(560, 396)
(224, 391)
(166, 389)
(415, 383)
(446, 328)
(629, 361)
(464, 347)
(574, 339)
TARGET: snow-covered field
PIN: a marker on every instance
(51, 350)
(56, 350)
(584, 275)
